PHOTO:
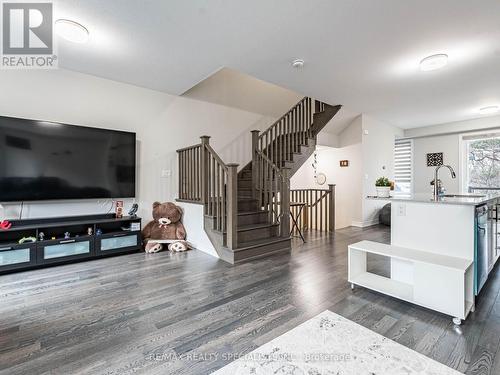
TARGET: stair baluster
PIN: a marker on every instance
(204, 178)
(319, 211)
(247, 213)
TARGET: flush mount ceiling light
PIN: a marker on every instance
(72, 31)
(434, 62)
(489, 110)
(298, 63)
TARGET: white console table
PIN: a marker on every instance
(439, 282)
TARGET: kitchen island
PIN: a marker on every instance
(441, 251)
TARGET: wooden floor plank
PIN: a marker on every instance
(189, 313)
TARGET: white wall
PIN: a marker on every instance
(378, 161)
(195, 231)
(445, 138)
(163, 123)
(368, 144)
(352, 134)
(234, 89)
(239, 150)
(328, 139)
(423, 175)
(483, 123)
(346, 179)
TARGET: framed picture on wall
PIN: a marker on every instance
(435, 159)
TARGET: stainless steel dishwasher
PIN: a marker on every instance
(481, 261)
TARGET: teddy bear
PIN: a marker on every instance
(166, 225)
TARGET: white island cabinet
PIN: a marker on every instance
(441, 252)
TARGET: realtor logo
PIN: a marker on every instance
(27, 36)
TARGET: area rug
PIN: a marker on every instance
(331, 344)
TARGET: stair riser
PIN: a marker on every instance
(257, 234)
(262, 251)
(284, 156)
(245, 191)
(244, 184)
(246, 175)
(244, 206)
(257, 218)
(245, 195)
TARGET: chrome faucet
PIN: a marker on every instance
(436, 179)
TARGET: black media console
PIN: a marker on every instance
(67, 239)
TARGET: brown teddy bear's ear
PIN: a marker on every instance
(179, 209)
(156, 204)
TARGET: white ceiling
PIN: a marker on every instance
(237, 90)
(359, 53)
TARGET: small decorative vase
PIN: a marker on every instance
(383, 191)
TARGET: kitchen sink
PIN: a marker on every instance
(463, 196)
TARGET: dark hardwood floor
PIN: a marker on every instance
(190, 313)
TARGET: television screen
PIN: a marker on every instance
(42, 160)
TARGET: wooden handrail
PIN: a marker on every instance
(205, 178)
(216, 156)
(291, 131)
(189, 178)
(272, 149)
(319, 208)
(272, 188)
(323, 193)
(282, 117)
(188, 147)
(271, 164)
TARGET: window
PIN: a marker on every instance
(403, 168)
(483, 163)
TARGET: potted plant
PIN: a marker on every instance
(383, 186)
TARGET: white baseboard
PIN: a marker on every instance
(364, 224)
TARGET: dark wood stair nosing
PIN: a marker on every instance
(245, 213)
(254, 244)
(250, 227)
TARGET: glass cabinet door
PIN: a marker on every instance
(72, 248)
(16, 256)
(118, 242)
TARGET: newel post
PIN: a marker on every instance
(255, 164)
(205, 140)
(285, 202)
(331, 207)
(232, 206)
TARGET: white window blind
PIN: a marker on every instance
(403, 167)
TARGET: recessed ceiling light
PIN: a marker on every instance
(434, 62)
(489, 110)
(72, 31)
(298, 63)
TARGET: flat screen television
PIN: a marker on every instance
(42, 160)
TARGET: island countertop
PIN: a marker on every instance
(457, 199)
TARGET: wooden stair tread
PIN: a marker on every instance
(244, 213)
(258, 243)
(257, 234)
(246, 227)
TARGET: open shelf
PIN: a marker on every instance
(413, 255)
(384, 285)
(438, 282)
(83, 243)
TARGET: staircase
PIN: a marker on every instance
(247, 212)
